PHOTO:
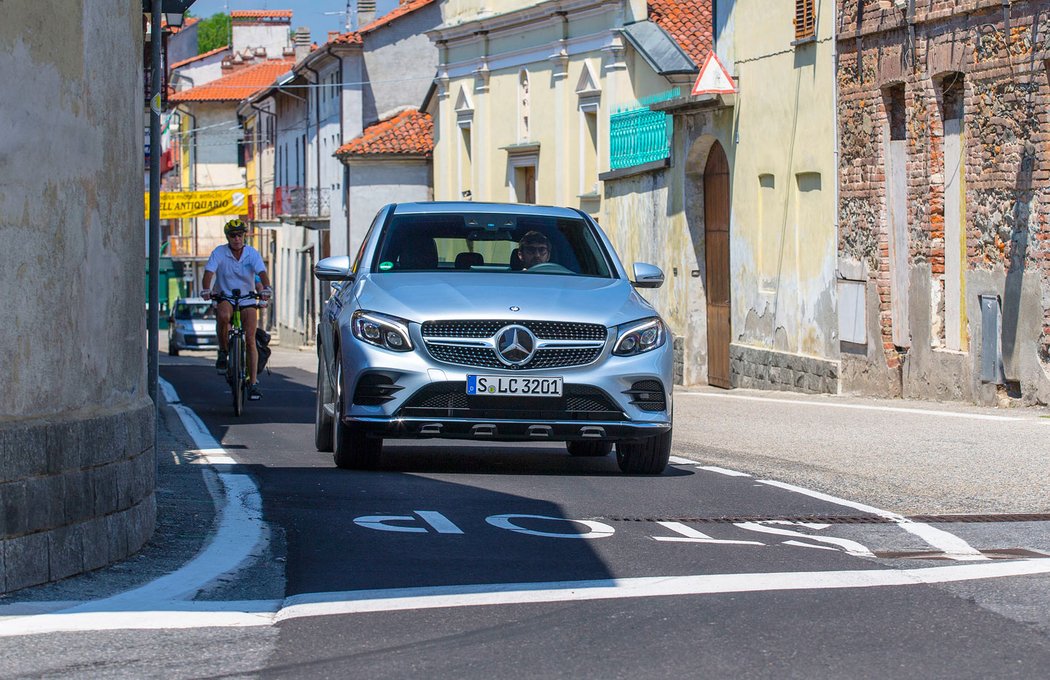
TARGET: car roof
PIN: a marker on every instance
(192, 301)
(469, 207)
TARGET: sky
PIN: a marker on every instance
(310, 13)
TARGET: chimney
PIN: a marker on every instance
(366, 12)
(302, 43)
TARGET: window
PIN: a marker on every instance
(805, 20)
(491, 243)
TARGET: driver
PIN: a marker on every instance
(534, 248)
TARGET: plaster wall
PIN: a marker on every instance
(399, 63)
(216, 163)
(273, 37)
(374, 184)
(76, 423)
(198, 72)
(783, 238)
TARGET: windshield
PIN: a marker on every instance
(186, 312)
(491, 243)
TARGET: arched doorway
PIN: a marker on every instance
(716, 241)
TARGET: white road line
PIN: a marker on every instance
(952, 546)
(268, 612)
(865, 407)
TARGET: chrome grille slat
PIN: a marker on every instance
(560, 344)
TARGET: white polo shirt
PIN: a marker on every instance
(231, 273)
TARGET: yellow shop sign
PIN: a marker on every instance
(175, 204)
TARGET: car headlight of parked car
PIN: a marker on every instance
(638, 337)
(388, 332)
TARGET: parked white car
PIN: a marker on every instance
(192, 325)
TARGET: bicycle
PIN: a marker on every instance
(237, 348)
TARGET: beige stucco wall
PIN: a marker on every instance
(72, 237)
(783, 252)
(555, 120)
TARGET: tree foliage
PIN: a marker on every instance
(213, 32)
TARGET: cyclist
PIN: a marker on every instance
(235, 266)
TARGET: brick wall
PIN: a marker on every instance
(991, 62)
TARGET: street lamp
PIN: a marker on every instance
(173, 19)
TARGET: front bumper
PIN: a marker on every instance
(412, 395)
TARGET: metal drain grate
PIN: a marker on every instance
(838, 519)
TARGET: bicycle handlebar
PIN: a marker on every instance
(236, 299)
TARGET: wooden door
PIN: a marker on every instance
(716, 241)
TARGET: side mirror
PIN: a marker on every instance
(335, 268)
(647, 276)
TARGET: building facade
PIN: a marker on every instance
(943, 243)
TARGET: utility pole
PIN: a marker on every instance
(153, 322)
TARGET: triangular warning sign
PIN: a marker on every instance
(713, 78)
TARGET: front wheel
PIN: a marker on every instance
(646, 456)
(173, 349)
(323, 428)
(236, 373)
(351, 449)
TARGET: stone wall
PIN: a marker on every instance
(766, 369)
(76, 422)
(985, 62)
(75, 494)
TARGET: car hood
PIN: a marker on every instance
(461, 295)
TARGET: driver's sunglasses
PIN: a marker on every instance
(237, 235)
(539, 250)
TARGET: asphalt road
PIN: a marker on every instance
(480, 560)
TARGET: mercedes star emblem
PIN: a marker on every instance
(515, 345)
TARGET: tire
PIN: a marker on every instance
(173, 351)
(588, 449)
(646, 456)
(323, 430)
(236, 374)
(351, 449)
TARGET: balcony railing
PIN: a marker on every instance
(302, 202)
(638, 136)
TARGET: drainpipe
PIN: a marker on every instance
(193, 179)
(317, 134)
(346, 170)
(838, 179)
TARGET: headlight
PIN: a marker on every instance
(388, 332)
(638, 336)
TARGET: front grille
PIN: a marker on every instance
(545, 330)
(450, 352)
(485, 357)
(450, 399)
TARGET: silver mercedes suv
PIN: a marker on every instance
(498, 322)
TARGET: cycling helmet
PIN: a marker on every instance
(235, 226)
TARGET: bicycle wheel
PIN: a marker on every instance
(237, 373)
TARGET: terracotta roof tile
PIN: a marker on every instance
(261, 14)
(409, 132)
(204, 55)
(406, 7)
(352, 38)
(241, 83)
(689, 22)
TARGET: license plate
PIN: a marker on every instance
(504, 386)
